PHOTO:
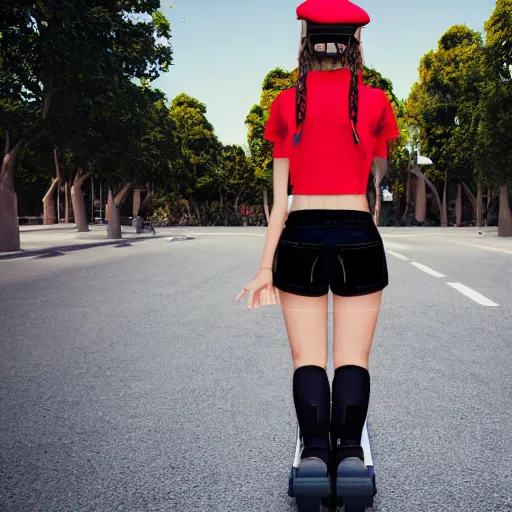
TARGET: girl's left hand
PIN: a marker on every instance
(261, 290)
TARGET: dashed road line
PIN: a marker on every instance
(465, 290)
(472, 294)
(426, 269)
(398, 255)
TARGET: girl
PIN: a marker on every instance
(327, 132)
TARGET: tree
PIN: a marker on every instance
(493, 150)
(274, 82)
(373, 78)
(441, 103)
(48, 50)
(194, 168)
(236, 176)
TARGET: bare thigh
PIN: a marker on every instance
(354, 321)
(306, 324)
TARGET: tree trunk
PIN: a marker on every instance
(505, 215)
(434, 205)
(421, 201)
(407, 195)
(66, 202)
(114, 205)
(265, 205)
(458, 206)
(9, 230)
(472, 200)
(489, 196)
(49, 203)
(479, 206)
(145, 205)
(470, 196)
(444, 208)
(198, 212)
(237, 199)
(77, 199)
(136, 201)
(49, 198)
(416, 171)
(408, 190)
(114, 218)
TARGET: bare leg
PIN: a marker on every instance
(355, 319)
(306, 324)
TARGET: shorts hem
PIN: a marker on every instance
(298, 291)
(363, 291)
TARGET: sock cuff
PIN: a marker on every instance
(310, 368)
(351, 368)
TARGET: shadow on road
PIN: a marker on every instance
(50, 252)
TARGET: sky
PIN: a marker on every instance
(223, 49)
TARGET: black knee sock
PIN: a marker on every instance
(350, 398)
(311, 394)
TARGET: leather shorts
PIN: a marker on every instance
(340, 250)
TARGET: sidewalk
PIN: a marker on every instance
(40, 239)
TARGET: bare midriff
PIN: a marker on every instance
(330, 202)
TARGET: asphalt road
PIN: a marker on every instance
(131, 381)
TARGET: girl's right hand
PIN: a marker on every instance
(261, 290)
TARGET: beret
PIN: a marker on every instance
(332, 12)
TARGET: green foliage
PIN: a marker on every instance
(70, 66)
(194, 165)
(274, 82)
(443, 102)
(493, 119)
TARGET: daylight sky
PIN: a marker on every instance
(223, 49)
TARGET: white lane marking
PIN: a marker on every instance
(398, 255)
(426, 269)
(472, 294)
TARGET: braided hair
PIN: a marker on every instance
(300, 96)
(354, 62)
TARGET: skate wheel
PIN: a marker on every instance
(291, 483)
(354, 485)
(372, 474)
(311, 485)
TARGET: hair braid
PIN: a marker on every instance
(301, 91)
(354, 62)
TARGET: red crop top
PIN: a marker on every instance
(326, 159)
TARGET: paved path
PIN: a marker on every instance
(131, 381)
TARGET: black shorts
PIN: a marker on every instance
(337, 249)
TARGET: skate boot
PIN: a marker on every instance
(350, 478)
(311, 486)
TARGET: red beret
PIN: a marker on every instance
(332, 12)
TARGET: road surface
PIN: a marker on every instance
(132, 381)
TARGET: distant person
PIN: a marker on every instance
(327, 131)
